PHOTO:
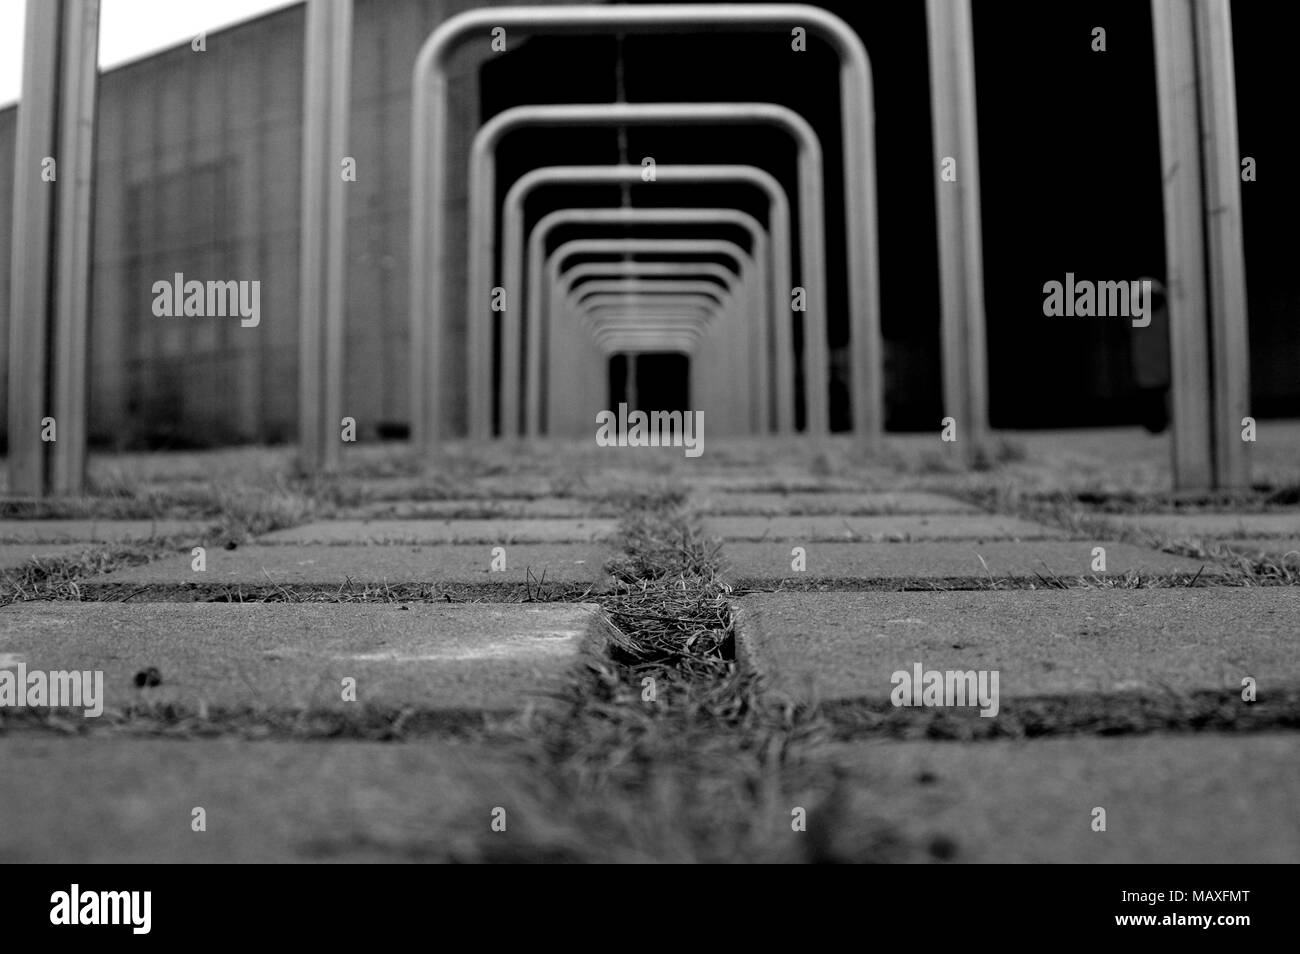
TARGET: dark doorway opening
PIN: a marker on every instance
(652, 381)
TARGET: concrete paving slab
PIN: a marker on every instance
(294, 656)
(461, 564)
(97, 531)
(500, 508)
(1197, 526)
(845, 504)
(494, 532)
(1042, 642)
(769, 562)
(91, 800)
(881, 529)
(1196, 798)
(13, 555)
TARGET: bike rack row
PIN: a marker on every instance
(545, 328)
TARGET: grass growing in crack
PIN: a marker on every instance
(683, 622)
(148, 718)
(663, 750)
(61, 577)
(1125, 713)
(1252, 569)
(661, 539)
(1084, 515)
(536, 589)
(1132, 580)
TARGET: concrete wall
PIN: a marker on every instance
(198, 171)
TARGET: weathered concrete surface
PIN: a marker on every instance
(879, 529)
(294, 655)
(1168, 799)
(855, 562)
(1196, 526)
(1042, 642)
(120, 799)
(323, 563)
(500, 508)
(494, 532)
(97, 531)
(847, 504)
(16, 554)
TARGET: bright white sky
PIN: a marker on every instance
(128, 30)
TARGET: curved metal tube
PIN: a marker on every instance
(430, 185)
(513, 251)
(561, 373)
(757, 369)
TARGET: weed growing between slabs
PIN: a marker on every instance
(61, 578)
(662, 750)
(1082, 513)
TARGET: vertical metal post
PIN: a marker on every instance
(51, 247)
(31, 261)
(322, 303)
(1225, 253)
(961, 261)
(79, 70)
(632, 400)
(1203, 245)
